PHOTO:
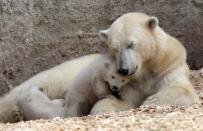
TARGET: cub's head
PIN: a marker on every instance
(114, 80)
(131, 40)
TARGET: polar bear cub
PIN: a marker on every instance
(34, 104)
(55, 81)
(93, 83)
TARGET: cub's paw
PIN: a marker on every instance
(152, 100)
(18, 116)
(59, 102)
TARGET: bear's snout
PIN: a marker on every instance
(123, 71)
(114, 88)
(126, 72)
(126, 62)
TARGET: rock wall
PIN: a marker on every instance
(38, 34)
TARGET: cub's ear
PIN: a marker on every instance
(153, 22)
(103, 35)
(106, 66)
(105, 69)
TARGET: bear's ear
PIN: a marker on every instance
(103, 35)
(105, 70)
(153, 22)
(106, 66)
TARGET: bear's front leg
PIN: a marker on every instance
(173, 96)
(78, 109)
(129, 98)
(59, 102)
(110, 104)
(78, 106)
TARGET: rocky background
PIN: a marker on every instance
(38, 34)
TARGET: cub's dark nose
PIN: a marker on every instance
(115, 88)
(123, 71)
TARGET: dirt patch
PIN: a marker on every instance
(144, 118)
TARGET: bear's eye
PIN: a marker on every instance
(131, 45)
(114, 49)
(113, 77)
(123, 80)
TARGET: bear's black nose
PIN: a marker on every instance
(123, 71)
(115, 88)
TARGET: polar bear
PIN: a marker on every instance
(33, 104)
(154, 60)
(54, 81)
(93, 83)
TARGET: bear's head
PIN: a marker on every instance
(113, 78)
(132, 41)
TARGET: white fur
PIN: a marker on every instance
(34, 104)
(54, 81)
(93, 83)
(162, 76)
(111, 104)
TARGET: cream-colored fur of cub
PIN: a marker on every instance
(95, 81)
(54, 81)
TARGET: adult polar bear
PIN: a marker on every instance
(155, 60)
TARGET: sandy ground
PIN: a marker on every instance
(153, 118)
